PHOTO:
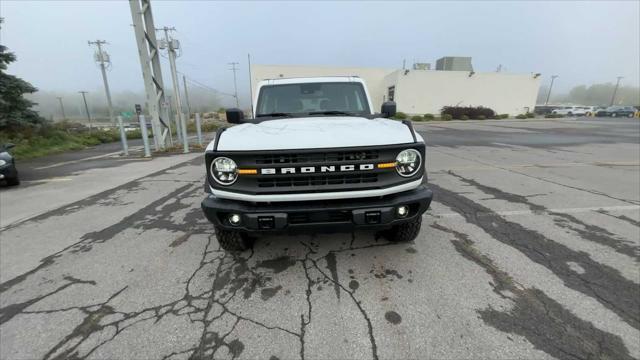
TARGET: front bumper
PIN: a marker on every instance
(8, 171)
(324, 216)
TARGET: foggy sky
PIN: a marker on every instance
(583, 42)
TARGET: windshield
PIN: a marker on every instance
(341, 98)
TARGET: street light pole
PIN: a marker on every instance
(615, 90)
(86, 108)
(553, 77)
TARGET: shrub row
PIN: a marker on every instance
(447, 117)
(468, 112)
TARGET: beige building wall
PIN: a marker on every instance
(425, 91)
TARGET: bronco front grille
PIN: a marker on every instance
(309, 174)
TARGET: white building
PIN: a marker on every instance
(425, 91)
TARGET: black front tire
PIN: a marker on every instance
(14, 181)
(404, 232)
(231, 240)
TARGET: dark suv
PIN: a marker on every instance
(8, 171)
(617, 111)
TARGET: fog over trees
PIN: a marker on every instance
(596, 94)
(207, 100)
(47, 104)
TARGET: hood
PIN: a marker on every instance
(314, 133)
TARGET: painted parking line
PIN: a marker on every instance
(557, 210)
(56, 179)
(86, 159)
(550, 165)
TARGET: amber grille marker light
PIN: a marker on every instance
(247, 171)
(386, 165)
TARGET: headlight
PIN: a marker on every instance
(2, 162)
(408, 162)
(224, 171)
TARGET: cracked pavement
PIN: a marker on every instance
(530, 250)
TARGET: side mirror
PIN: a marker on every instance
(388, 109)
(9, 146)
(235, 116)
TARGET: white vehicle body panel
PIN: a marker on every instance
(317, 196)
(574, 110)
(314, 133)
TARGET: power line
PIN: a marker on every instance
(205, 86)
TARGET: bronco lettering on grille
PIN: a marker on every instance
(316, 169)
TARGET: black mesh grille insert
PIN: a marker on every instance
(319, 216)
(336, 179)
(320, 157)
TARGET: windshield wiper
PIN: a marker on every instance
(274, 114)
(332, 112)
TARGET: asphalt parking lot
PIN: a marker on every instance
(531, 250)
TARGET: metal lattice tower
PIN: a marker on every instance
(151, 71)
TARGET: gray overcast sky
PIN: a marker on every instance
(583, 42)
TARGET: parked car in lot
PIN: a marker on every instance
(617, 111)
(571, 110)
(544, 109)
(593, 110)
(8, 171)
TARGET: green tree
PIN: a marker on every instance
(15, 110)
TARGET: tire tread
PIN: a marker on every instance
(230, 240)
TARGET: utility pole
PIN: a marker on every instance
(250, 85)
(145, 35)
(615, 90)
(186, 97)
(171, 46)
(235, 84)
(102, 58)
(553, 77)
(86, 108)
(64, 116)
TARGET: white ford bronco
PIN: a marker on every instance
(315, 158)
